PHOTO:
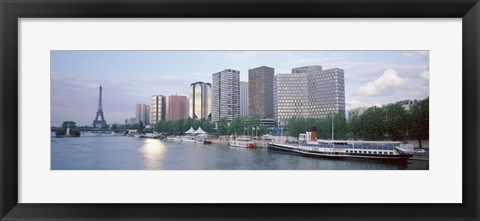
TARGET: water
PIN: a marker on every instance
(128, 153)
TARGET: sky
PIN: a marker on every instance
(131, 77)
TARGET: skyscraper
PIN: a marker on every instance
(140, 113)
(261, 91)
(146, 114)
(200, 100)
(225, 94)
(309, 92)
(177, 107)
(158, 109)
(243, 98)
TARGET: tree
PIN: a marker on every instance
(295, 126)
(419, 121)
(60, 131)
(396, 121)
(374, 122)
(340, 127)
(207, 126)
(160, 126)
(140, 127)
(222, 126)
(237, 125)
(70, 124)
(114, 127)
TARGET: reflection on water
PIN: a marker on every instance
(128, 153)
(153, 151)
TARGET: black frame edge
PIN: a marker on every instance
(9, 112)
(471, 95)
(10, 11)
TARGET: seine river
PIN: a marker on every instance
(106, 152)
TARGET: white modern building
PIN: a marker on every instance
(309, 92)
(225, 94)
(244, 98)
(200, 100)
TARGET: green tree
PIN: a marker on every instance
(295, 126)
(140, 127)
(160, 126)
(222, 126)
(70, 124)
(75, 133)
(396, 121)
(356, 127)
(207, 126)
(419, 121)
(114, 127)
(60, 131)
(237, 126)
(374, 122)
(340, 127)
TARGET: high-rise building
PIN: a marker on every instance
(158, 109)
(200, 101)
(177, 107)
(261, 91)
(243, 98)
(140, 113)
(225, 94)
(146, 114)
(309, 92)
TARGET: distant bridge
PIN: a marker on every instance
(91, 129)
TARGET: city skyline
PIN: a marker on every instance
(131, 77)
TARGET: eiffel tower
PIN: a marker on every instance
(101, 122)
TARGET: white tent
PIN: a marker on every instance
(190, 131)
(199, 131)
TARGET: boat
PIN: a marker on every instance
(378, 150)
(139, 136)
(242, 142)
(188, 139)
(177, 139)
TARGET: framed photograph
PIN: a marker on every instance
(239, 110)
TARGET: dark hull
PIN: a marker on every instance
(287, 148)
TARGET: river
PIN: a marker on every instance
(105, 152)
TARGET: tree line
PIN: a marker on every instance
(242, 125)
(392, 122)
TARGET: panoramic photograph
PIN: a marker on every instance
(239, 110)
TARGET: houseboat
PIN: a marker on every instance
(378, 150)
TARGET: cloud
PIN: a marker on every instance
(424, 55)
(425, 75)
(389, 79)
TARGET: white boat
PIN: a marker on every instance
(177, 139)
(188, 139)
(379, 150)
(242, 142)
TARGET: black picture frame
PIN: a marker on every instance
(12, 10)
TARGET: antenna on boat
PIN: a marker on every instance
(333, 115)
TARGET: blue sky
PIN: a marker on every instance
(130, 77)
